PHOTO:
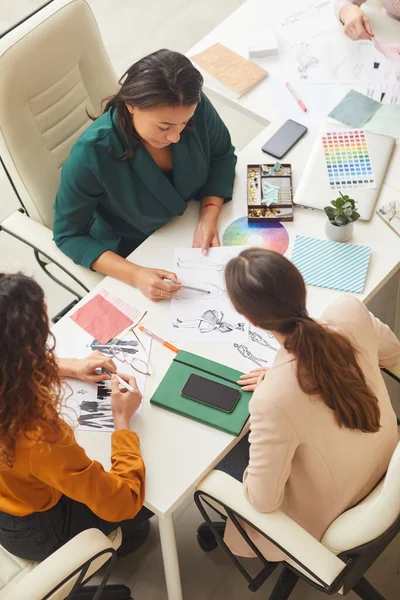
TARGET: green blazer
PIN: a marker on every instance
(103, 204)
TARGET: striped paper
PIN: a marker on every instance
(333, 265)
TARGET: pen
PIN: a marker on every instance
(163, 342)
(295, 96)
(120, 380)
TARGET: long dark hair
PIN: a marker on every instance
(163, 78)
(268, 289)
(30, 388)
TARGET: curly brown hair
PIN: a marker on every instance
(30, 387)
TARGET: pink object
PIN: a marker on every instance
(392, 7)
(104, 316)
(388, 49)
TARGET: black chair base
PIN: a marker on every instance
(110, 592)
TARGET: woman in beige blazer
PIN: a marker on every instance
(322, 428)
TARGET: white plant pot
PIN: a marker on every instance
(338, 234)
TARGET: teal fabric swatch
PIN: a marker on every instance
(355, 109)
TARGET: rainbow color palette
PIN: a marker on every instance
(273, 236)
(347, 160)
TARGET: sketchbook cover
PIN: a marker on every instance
(314, 191)
(390, 213)
(334, 265)
(168, 394)
(232, 70)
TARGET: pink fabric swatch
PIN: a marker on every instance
(102, 319)
(388, 49)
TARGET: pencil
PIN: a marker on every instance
(163, 342)
(194, 289)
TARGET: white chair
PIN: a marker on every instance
(338, 563)
(65, 572)
(54, 70)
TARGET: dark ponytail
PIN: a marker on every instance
(266, 287)
(163, 78)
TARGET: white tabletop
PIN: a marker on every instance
(270, 99)
(178, 452)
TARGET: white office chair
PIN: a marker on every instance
(53, 70)
(338, 563)
(65, 572)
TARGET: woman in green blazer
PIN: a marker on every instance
(158, 144)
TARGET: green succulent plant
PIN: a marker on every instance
(342, 211)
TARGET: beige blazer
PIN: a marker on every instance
(301, 461)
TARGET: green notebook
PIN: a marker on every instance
(168, 394)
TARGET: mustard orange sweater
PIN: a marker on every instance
(43, 471)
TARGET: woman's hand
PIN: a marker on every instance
(251, 380)
(206, 232)
(85, 368)
(124, 404)
(152, 283)
(356, 24)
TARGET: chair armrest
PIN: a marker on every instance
(295, 540)
(40, 238)
(51, 572)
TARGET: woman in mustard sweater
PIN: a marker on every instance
(50, 490)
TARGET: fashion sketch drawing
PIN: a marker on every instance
(210, 320)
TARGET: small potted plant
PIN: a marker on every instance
(341, 215)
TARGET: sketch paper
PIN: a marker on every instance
(296, 24)
(343, 61)
(390, 213)
(89, 405)
(203, 317)
(260, 350)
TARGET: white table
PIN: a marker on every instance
(270, 99)
(179, 452)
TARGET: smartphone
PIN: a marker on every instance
(211, 393)
(284, 139)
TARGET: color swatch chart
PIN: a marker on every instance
(347, 160)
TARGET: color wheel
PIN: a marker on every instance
(273, 236)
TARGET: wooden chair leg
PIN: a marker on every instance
(366, 591)
(284, 586)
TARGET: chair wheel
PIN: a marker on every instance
(205, 537)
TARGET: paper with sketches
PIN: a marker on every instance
(383, 89)
(201, 316)
(390, 213)
(104, 315)
(88, 407)
(259, 351)
(296, 23)
(354, 109)
(343, 61)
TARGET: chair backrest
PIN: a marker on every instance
(370, 518)
(53, 68)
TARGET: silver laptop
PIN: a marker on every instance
(314, 190)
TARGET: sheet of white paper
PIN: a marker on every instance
(344, 61)
(201, 316)
(88, 407)
(296, 24)
(260, 350)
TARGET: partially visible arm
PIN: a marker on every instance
(273, 442)
(388, 344)
(338, 5)
(113, 496)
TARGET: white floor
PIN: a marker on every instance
(130, 29)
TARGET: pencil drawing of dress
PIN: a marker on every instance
(210, 320)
